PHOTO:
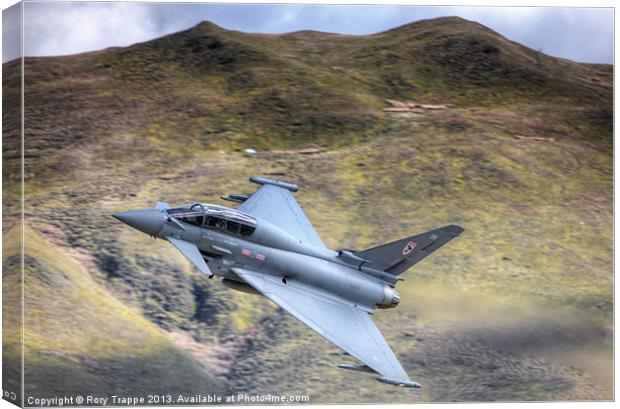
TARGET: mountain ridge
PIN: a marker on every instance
(309, 92)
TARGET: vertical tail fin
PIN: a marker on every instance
(398, 256)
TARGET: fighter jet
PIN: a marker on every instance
(267, 246)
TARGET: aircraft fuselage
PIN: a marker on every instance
(275, 252)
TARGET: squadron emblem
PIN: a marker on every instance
(409, 247)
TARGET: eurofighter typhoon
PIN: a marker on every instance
(267, 246)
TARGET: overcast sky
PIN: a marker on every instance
(580, 34)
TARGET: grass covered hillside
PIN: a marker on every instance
(436, 122)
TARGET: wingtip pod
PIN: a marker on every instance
(405, 383)
(264, 181)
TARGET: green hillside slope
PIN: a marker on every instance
(80, 340)
(511, 144)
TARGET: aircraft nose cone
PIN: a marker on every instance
(149, 221)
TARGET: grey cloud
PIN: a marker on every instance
(11, 32)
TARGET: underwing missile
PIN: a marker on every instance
(358, 368)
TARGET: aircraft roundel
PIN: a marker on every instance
(409, 247)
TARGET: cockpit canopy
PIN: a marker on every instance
(215, 217)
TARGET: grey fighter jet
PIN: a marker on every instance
(267, 246)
